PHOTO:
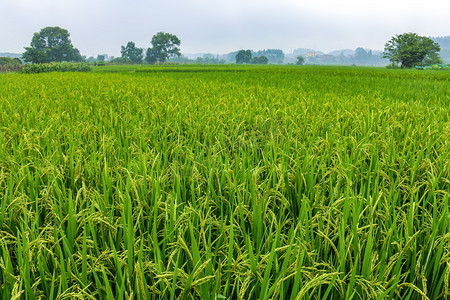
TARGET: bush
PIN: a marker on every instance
(393, 66)
(10, 67)
(8, 64)
(121, 61)
(56, 67)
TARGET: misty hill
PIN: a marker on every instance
(443, 41)
(12, 55)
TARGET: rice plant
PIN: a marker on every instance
(229, 182)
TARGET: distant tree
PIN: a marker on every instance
(275, 56)
(121, 61)
(243, 57)
(51, 44)
(300, 60)
(101, 57)
(6, 60)
(443, 41)
(164, 46)
(410, 49)
(133, 53)
(209, 59)
(261, 60)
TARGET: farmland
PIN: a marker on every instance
(225, 182)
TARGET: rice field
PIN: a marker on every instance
(230, 182)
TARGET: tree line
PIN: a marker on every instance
(53, 44)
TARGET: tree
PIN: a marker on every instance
(410, 49)
(132, 52)
(7, 61)
(243, 57)
(17, 61)
(275, 56)
(164, 46)
(262, 60)
(151, 56)
(51, 44)
(300, 60)
(121, 61)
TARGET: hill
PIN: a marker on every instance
(12, 55)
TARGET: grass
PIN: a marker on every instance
(261, 183)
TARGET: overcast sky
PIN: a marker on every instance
(221, 26)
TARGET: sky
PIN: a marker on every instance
(222, 26)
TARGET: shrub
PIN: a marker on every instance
(56, 67)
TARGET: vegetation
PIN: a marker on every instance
(261, 60)
(236, 182)
(300, 60)
(8, 64)
(243, 57)
(51, 44)
(274, 56)
(410, 49)
(134, 54)
(262, 57)
(10, 61)
(56, 67)
(164, 46)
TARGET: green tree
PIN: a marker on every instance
(17, 61)
(51, 44)
(261, 60)
(300, 60)
(164, 46)
(6, 61)
(410, 49)
(151, 56)
(121, 61)
(132, 52)
(244, 57)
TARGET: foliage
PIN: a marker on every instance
(274, 56)
(164, 46)
(10, 61)
(433, 67)
(242, 182)
(8, 64)
(151, 56)
(300, 60)
(244, 57)
(134, 54)
(262, 60)
(209, 59)
(51, 44)
(36, 56)
(410, 49)
(17, 61)
(10, 68)
(121, 61)
(56, 67)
